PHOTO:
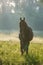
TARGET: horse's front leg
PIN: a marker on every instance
(21, 47)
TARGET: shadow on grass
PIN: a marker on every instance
(31, 60)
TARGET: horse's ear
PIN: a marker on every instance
(20, 18)
(24, 18)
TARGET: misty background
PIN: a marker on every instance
(12, 10)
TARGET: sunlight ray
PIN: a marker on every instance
(13, 11)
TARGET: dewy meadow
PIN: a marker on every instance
(10, 13)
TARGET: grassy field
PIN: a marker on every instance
(10, 54)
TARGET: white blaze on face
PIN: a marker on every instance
(12, 11)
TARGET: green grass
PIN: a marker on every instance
(10, 54)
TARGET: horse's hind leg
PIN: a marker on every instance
(27, 50)
(27, 47)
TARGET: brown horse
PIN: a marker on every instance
(25, 36)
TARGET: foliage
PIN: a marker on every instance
(10, 54)
(41, 0)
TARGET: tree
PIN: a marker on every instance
(41, 1)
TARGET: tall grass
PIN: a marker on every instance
(10, 54)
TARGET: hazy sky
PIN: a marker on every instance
(12, 10)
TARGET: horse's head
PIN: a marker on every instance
(22, 20)
(22, 23)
